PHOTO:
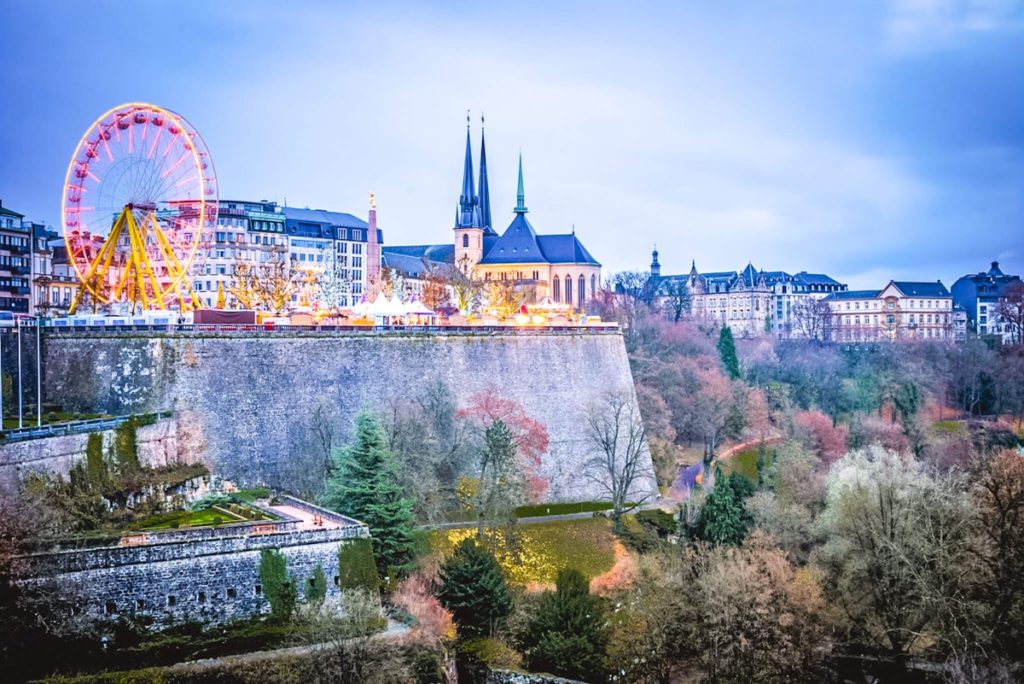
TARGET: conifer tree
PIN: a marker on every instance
(724, 519)
(364, 485)
(566, 636)
(278, 585)
(473, 588)
(727, 352)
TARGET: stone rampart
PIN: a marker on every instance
(158, 446)
(192, 577)
(252, 401)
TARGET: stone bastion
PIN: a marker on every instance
(207, 575)
(250, 402)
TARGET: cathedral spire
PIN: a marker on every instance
(469, 212)
(485, 191)
(520, 194)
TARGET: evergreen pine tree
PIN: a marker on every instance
(473, 588)
(364, 485)
(724, 520)
(278, 586)
(566, 636)
(727, 352)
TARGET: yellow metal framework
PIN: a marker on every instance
(137, 281)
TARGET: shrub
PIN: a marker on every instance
(356, 567)
(316, 588)
(658, 520)
(278, 586)
(637, 537)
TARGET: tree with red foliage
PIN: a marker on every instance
(508, 458)
(816, 430)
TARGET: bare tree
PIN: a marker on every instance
(621, 464)
(812, 319)
(1011, 310)
(677, 299)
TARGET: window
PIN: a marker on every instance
(110, 608)
(232, 593)
(172, 601)
(568, 290)
(465, 240)
(140, 604)
(555, 287)
(593, 284)
(583, 290)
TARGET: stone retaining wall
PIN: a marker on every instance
(252, 402)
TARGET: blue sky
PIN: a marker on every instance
(869, 140)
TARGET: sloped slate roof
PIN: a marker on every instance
(565, 249)
(439, 253)
(854, 294)
(334, 218)
(518, 245)
(410, 265)
(815, 278)
(916, 289)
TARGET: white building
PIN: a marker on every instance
(901, 311)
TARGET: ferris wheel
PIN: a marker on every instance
(139, 197)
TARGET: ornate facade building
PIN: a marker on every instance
(901, 311)
(751, 302)
(558, 265)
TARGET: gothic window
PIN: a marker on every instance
(583, 290)
(556, 288)
(593, 285)
(568, 290)
(465, 239)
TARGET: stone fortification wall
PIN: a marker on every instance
(158, 444)
(210, 580)
(252, 399)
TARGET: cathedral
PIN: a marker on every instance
(556, 266)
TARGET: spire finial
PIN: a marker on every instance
(520, 194)
(467, 118)
(481, 119)
(373, 201)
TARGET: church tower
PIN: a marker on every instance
(469, 231)
(655, 266)
(485, 191)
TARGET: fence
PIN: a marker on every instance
(271, 330)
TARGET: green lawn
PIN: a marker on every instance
(204, 518)
(535, 553)
(744, 463)
(250, 495)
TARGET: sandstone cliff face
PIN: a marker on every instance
(250, 400)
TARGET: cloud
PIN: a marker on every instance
(927, 25)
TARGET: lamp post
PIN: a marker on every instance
(39, 375)
(17, 327)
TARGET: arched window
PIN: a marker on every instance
(583, 291)
(593, 285)
(556, 289)
(568, 290)
(465, 239)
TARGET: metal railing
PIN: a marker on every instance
(270, 330)
(61, 429)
